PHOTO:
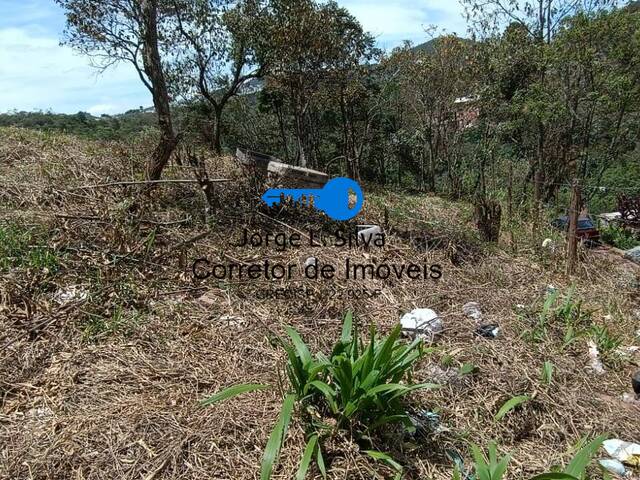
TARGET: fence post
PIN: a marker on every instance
(572, 235)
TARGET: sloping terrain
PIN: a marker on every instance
(108, 343)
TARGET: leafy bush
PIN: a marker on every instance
(619, 237)
(361, 387)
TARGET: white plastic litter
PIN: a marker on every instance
(594, 355)
(310, 261)
(232, 321)
(472, 309)
(628, 351)
(625, 452)
(548, 244)
(368, 233)
(614, 466)
(71, 294)
(421, 323)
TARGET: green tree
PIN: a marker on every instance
(114, 31)
(309, 44)
(214, 53)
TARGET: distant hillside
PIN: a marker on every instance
(430, 46)
(83, 124)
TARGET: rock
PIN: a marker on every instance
(635, 383)
(310, 261)
(421, 323)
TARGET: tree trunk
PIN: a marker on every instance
(302, 158)
(488, 214)
(153, 69)
(216, 144)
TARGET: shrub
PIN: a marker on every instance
(619, 237)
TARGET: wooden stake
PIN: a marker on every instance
(572, 235)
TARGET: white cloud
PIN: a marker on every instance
(36, 73)
(392, 21)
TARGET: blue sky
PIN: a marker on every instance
(36, 73)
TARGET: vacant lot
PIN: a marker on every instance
(108, 343)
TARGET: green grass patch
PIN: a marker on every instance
(26, 248)
(120, 322)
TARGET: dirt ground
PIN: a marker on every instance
(108, 343)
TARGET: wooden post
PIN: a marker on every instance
(572, 234)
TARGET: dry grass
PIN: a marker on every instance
(107, 385)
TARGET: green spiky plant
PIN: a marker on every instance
(362, 386)
(566, 312)
(491, 467)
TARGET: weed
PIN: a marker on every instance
(17, 250)
(547, 373)
(490, 467)
(118, 323)
(361, 387)
(568, 315)
(510, 405)
(467, 369)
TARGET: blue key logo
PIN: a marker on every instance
(332, 199)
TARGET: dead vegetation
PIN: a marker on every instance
(108, 343)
